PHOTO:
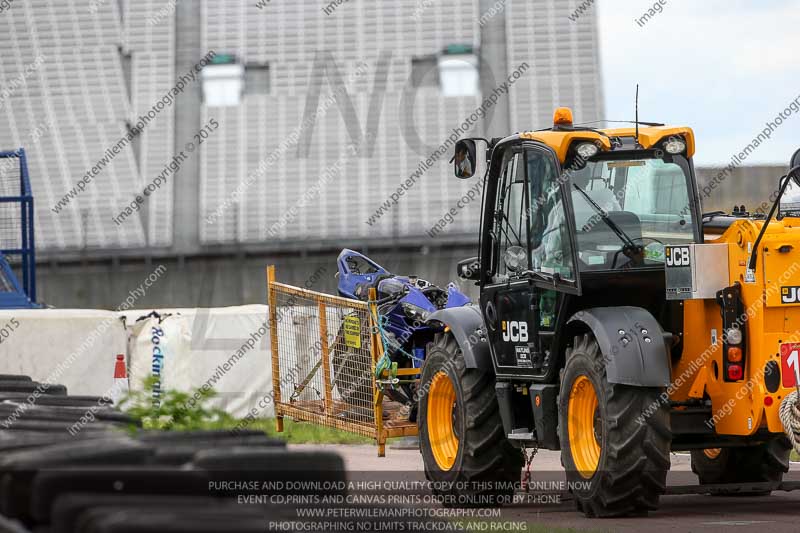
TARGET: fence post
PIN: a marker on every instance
(273, 337)
(376, 351)
(326, 367)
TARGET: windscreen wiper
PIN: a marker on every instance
(624, 237)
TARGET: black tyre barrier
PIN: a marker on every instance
(161, 520)
(48, 485)
(54, 399)
(18, 469)
(8, 525)
(272, 460)
(18, 385)
(171, 453)
(80, 415)
(274, 471)
(67, 509)
(60, 471)
(55, 426)
(118, 449)
(18, 440)
(195, 436)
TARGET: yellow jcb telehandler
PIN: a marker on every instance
(616, 323)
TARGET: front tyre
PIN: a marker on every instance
(615, 439)
(467, 456)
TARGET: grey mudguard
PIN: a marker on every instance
(622, 334)
(466, 324)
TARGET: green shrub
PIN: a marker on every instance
(175, 410)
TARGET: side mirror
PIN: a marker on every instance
(464, 159)
(469, 269)
(793, 164)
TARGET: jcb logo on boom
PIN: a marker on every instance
(677, 256)
(515, 331)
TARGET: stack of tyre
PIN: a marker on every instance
(58, 474)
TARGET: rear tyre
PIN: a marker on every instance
(464, 447)
(616, 457)
(765, 463)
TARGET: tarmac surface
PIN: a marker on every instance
(777, 513)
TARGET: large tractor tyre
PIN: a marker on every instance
(616, 456)
(765, 463)
(467, 456)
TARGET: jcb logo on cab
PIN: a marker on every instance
(515, 331)
(677, 256)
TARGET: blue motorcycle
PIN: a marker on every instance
(404, 304)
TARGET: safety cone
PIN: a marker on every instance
(120, 387)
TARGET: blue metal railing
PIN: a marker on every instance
(26, 250)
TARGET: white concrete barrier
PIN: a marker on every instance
(226, 349)
(74, 347)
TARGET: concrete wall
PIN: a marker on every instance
(222, 281)
(750, 185)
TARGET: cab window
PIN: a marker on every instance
(551, 249)
(645, 200)
(510, 211)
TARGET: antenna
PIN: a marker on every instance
(637, 114)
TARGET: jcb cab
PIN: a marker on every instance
(616, 323)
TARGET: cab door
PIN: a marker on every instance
(529, 259)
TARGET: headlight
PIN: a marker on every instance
(675, 145)
(415, 312)
(587, 150)
(515, 258)
(734, 336)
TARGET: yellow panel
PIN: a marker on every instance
(782, 270)
(699, 318)
(649, 136)
(699, 385)
(560, 141)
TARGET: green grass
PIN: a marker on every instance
(794, 456)
(306, 433)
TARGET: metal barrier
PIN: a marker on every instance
(17, 249)
(324, 350)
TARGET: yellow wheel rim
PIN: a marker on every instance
(712, 453)
(581, 426)
(442, 437)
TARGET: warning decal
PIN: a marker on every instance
(352, 331)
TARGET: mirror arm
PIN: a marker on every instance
(751, 264)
